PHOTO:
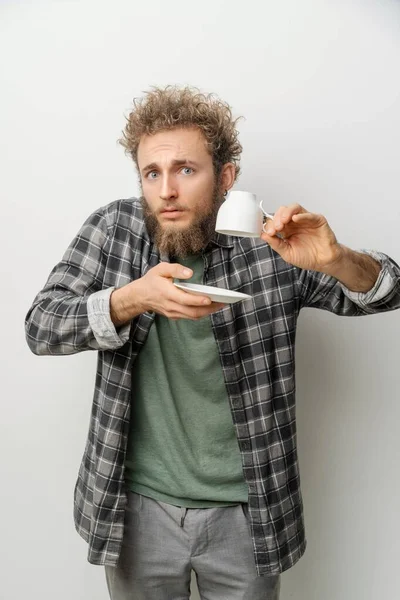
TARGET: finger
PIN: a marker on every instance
(174, 270)
(208, 310)
(187, 299)
(278, 244)
(182, 312)
(285, 214)
(277, 220)
(303, 217)
(269, 229)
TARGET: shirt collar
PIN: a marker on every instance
(222, 240)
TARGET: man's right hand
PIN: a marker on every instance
(156, 292)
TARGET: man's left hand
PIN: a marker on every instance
(307, 240)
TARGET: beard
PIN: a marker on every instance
(193, 239)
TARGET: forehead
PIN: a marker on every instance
(188, 143)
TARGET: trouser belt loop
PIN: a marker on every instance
(183, 514)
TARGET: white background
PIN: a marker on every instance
(318, 83)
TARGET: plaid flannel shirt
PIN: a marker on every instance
(256, 343)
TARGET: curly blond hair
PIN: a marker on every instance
(172, 107)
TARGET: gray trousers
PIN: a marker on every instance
(163, 543)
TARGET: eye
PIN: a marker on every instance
(150, 175)
(186, 169)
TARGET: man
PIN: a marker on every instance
(191, 459)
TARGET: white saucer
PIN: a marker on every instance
(215, 293)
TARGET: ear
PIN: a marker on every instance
(227, 177)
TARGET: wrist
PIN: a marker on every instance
(117, 310)
(338, 262)
(356, 270)
(125, 304)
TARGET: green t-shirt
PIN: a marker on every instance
(182, 446)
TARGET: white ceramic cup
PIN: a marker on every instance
(241, 215)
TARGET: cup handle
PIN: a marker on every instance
(267, 215)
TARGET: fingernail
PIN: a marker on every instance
(269, 230)
(187, 272)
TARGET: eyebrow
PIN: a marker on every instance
(175, 163)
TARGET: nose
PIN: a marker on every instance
(168, 189)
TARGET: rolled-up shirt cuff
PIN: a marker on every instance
(384, 285)
(103, 328)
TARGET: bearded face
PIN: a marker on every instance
(181, 194)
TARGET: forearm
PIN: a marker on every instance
(356, 270)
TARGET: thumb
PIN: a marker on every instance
(174, 270)
(277, 243)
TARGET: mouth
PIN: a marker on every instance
(171, 213)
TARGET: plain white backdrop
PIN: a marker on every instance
(318, 83)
